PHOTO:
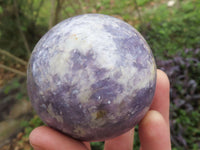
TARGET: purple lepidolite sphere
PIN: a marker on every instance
(91, 77)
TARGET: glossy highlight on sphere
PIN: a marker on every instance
(91, 77)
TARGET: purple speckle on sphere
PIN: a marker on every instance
(91, 77)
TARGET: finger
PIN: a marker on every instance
(87, 144)
(45, 138)
(122, 142)
(161, 98)
(153, 132)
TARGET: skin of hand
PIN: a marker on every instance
(154, 130)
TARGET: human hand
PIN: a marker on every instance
(154, 131)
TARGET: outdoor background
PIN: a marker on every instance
(172, 29)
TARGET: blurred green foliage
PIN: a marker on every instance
(168, 30)
(30, 125)
(15, 84)
(97, 145)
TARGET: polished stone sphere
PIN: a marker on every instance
(92, 77)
